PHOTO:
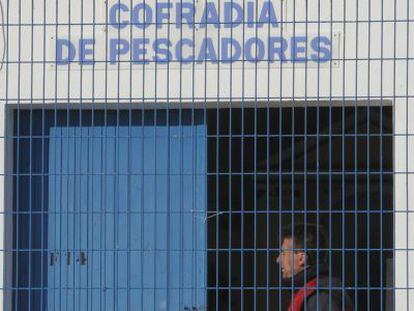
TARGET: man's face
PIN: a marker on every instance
(292, 262)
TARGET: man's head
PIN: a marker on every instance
(298, 249)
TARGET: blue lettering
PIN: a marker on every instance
(139, 50)
(117, 48)
(229, 19)
(145, 11)
(207, 51)
(86, 49)
(259, 50)
(162, 13)
(187, 15)
(268, 15)
(179, 51)
(298, 49)
(322, 47)
(114, 16)
(250, 14)
(162, 51)
(279, 46)
(210, 16)
(70, 51)
(230, 50)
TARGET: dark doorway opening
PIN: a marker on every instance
(268, 167)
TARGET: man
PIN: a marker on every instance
(306, 278)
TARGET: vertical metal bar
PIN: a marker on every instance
(31, 252)
(330, 207)
(394, 100)
(78, 177)
(17, 246)
(206, 166)
(242, 159)
(291, 136)
(318, 244)
(103, 249)
(73, 137)
(368, 171)
(169, 164)
(43, 213)
(143, 115)
(255, 171)
(381, 159)
(90, 226)
(305, 143)
(83, 288)
(218, 175)
(268, 246)
(61, 215)
(130, 213)
(116, 182)
(70, 173)
(195, 170)
(280, 150)
(356, 211)
(58, 141)
(194, 250)
(182, 222)
(230, 170)
(155, 184)
(407, 182)
(343, 138)
(142, 211)
(101, 215)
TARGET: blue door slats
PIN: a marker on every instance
(139, 228)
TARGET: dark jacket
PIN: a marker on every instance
(330, 293)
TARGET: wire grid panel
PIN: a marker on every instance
(162, 155)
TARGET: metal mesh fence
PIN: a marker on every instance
(206, 155)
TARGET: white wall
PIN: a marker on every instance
(349, 78)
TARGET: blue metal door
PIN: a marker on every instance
(126, 227)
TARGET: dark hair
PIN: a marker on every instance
(309, 238)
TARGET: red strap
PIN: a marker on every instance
(299, 297)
